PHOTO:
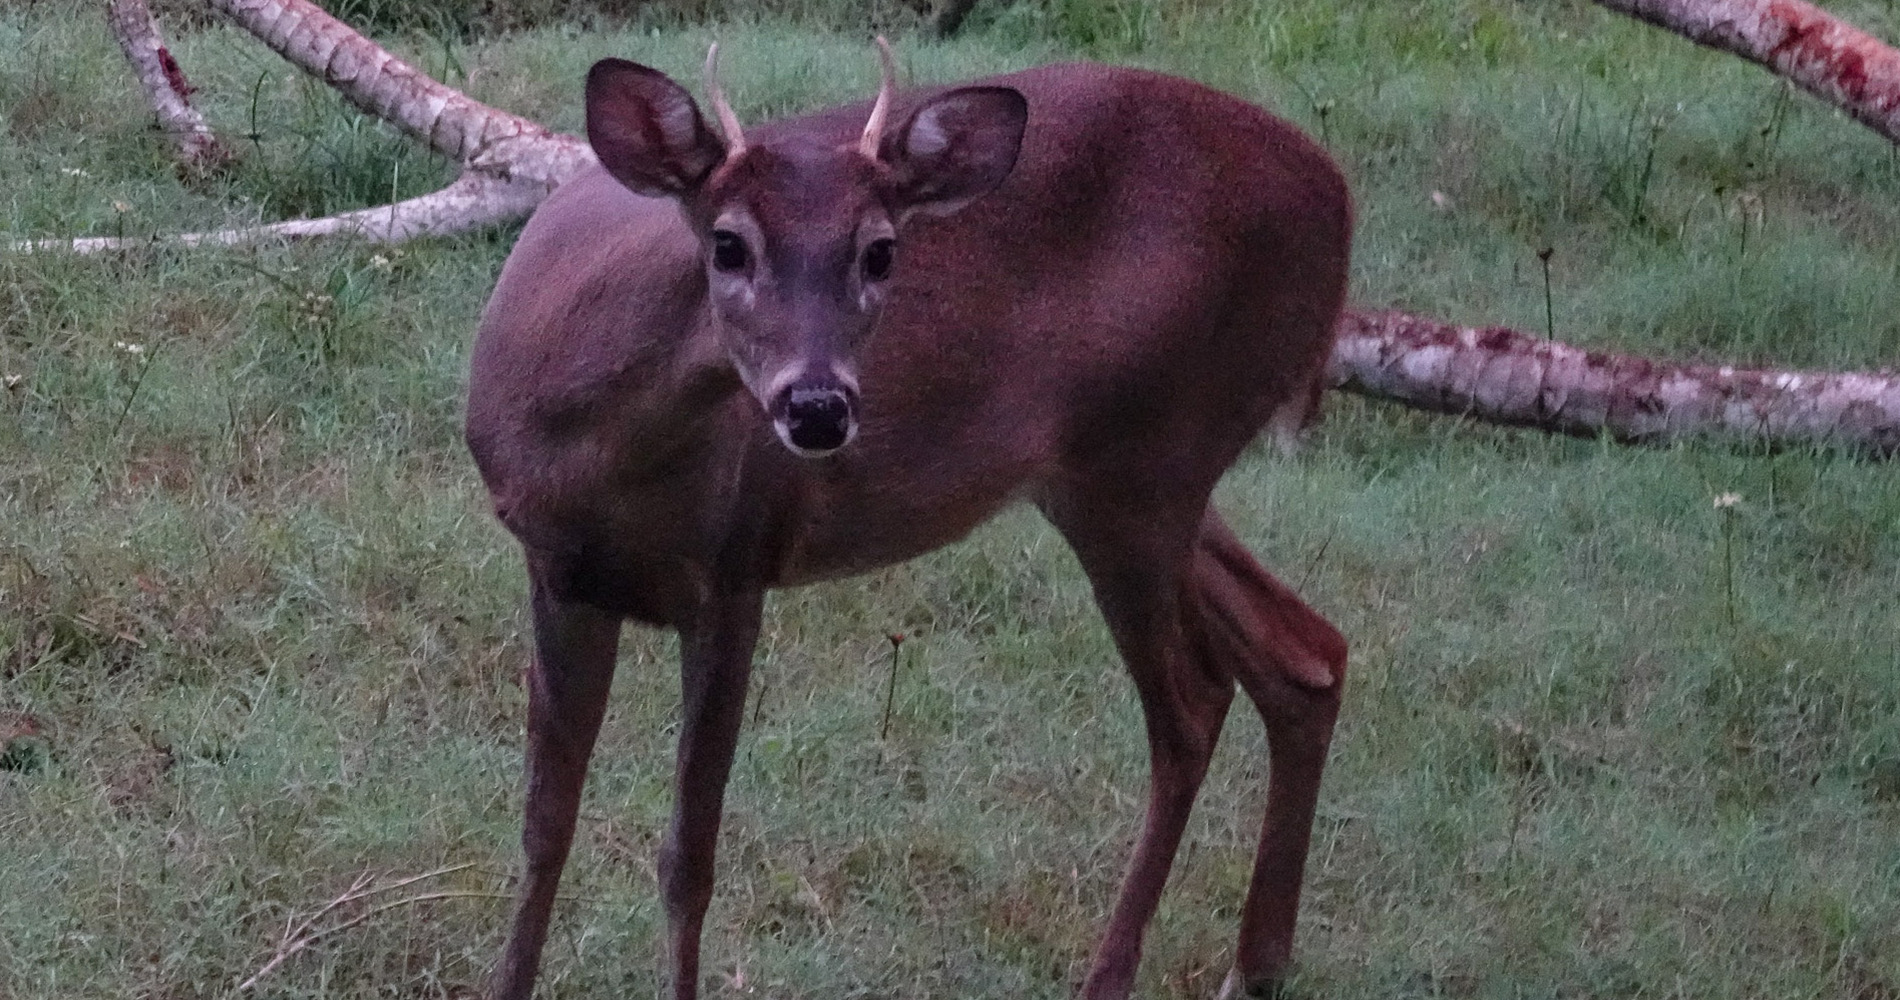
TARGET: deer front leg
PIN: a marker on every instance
(1183, 710)
(715, 667)
(574, 647)
(1135, 563)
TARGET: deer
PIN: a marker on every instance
(729, 360)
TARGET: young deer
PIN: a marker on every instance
(727, 362)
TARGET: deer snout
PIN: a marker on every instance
(815, 417)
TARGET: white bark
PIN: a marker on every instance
(198, 149)
(509, 164)
(1493, 374)
(474, 201)
(464, 130)
(1503, 376)
(1821, 53)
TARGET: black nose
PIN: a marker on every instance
(818, 418)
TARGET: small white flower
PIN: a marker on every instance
(1724, 501)
(381, 263)
(74, 172)
(15, 381)
(121, 207)
(133, 349)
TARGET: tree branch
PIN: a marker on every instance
(474, 201)
(199, 152)
(1503, 376)
(1822, 54)
(1494, 374)
(509, 163)
(465, 130)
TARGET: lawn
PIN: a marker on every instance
(260, 638)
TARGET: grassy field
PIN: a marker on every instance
(260, 639)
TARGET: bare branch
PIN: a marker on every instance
(450, 122)
(510, 163)
(474, 201)
(1503, 376)
(1493, 374)
(304, 935)
(1822, 54)
(198, 149)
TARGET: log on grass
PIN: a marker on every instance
(197, 148)
(1493, 374)
(1819, 52)
(1500, 375)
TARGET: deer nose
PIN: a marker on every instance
(816, 418)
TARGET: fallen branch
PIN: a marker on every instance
(509, 163)
(465, 130)
(1500, 375)
(1493, 374)
(306, 932)
(199, 152)
(1822, 54)
(475, 200)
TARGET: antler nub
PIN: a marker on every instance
(874, 127)
(728, 122)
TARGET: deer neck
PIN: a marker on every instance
(691, 396)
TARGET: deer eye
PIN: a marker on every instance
(878, 257)
(729, 252)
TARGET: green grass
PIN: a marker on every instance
(259, 635)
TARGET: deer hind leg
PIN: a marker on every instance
(567, 697)
(1136, 564)
(1291, 662)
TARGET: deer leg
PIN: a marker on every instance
(574, 647)
(1136, 573)
(1291, 663)
(715, 666)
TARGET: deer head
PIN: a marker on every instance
(799, 236)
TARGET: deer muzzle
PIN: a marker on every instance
(815, 416)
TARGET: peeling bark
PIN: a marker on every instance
(1503, 376)
(509, 163)
(1493, 374)
(460, 128)
(199, 152)
(474, 201)
(1822, 54)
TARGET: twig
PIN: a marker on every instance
(307, 940)
(1313, 564)
(303, 936)
(890, 693)
(1550, 317)
(145, 366)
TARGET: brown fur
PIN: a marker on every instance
(1101, 335)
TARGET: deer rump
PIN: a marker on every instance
(1153, 283)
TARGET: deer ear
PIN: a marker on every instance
(955, 148)
(647, 131)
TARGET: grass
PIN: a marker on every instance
(258, 634)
